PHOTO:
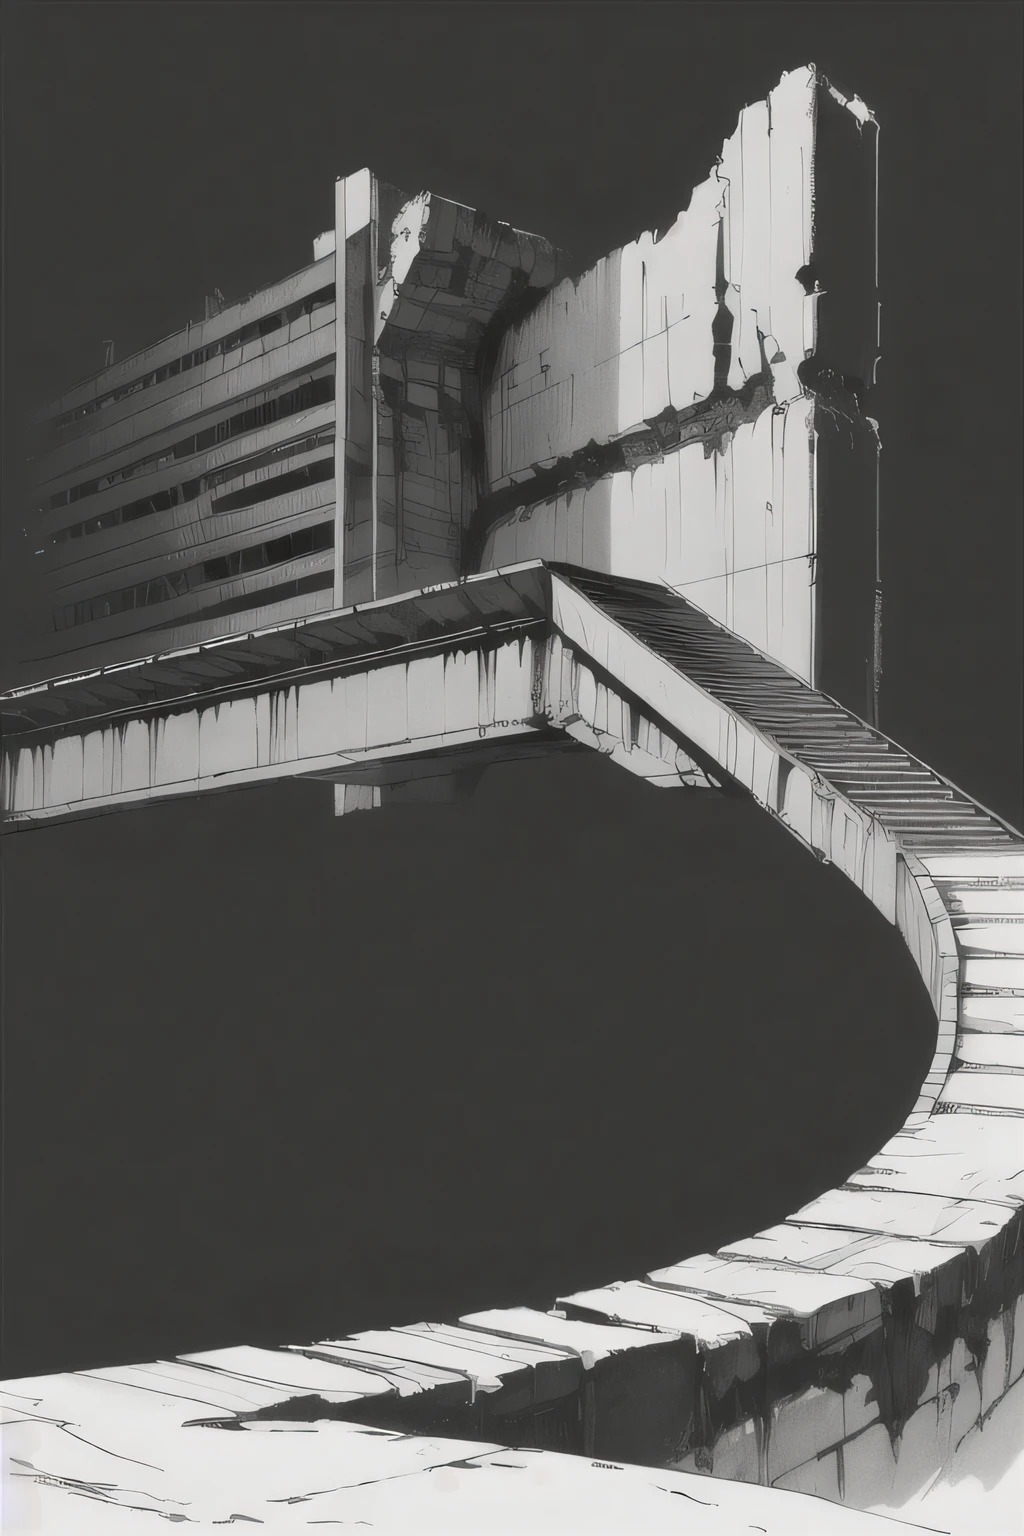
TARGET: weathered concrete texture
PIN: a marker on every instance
(104, 1450)
(462, 366)
(733, 530)
(728, 359)
(430, 703)
(427, 283)
(141, 532)
(640, 331)
(378, 704)
(888, 1308)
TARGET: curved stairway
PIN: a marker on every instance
(845, 1352)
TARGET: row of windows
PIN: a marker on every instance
(188, 490)
(276, 485)
(318, 582)
(161, 589)
(315, 392)
(240, 338)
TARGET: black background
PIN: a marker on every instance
(269, 1074)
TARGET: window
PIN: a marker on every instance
(238, 562)
(188, 490)
(251, 332)
(275, 485)
(298, 398)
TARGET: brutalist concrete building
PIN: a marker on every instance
(191, 490)
(434, 501)
(688, 411)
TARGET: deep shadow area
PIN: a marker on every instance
(274, 1076)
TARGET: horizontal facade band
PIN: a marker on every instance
(198, 334)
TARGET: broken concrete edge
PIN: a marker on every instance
(755, 306)
(708, 422)
(711, 422)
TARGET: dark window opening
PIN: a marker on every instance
(265, 413)
(188, 490)
(251, 332)
(238, 562)
(276, 485)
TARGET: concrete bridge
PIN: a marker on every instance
(845, 1353)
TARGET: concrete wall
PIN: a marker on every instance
(733, 531)
(722, 335)
(443, 277)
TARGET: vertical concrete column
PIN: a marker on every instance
(340, 390)
(371, 342)
(354, 286)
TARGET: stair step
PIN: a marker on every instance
(839, 735)
(894, 794)
(886, 773)
(981, 830)
(917, 807)
(863, 773)
(864, 760)
(925, 814)
(899, 792)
